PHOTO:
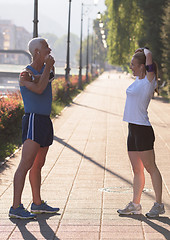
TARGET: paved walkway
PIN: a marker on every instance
(88, 175)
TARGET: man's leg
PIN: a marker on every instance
(35, 174)
(29, 152)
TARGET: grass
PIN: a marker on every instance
(60, 104)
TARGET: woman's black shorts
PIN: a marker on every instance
(37, 128)
(140, 138)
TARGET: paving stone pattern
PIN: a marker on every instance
(88, 174)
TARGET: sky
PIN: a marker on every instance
(53, 14)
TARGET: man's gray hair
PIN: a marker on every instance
(35, 43)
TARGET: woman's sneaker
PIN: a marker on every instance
(156, 210)
(21, 213)
(131, 208)
(43, 208)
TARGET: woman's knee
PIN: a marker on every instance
(138, 170)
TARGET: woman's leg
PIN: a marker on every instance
(29, 152)
(35, 174)
(148, 159)
(139, 178)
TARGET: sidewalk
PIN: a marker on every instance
(88, 175)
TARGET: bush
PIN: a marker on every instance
(11, 112)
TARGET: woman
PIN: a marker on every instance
(141, 136)
(37, 129)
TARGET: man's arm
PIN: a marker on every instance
(37, 86)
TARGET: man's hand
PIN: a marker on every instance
(49, 60)
(27, 76)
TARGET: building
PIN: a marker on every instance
(13, 37)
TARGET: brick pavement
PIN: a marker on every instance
(88, 175)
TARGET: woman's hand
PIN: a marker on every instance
(139, 50)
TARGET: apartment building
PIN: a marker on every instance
(13, 37)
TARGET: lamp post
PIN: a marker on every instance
(81, 38)
(67, 69)
(92, 52)
(35, 21)
(87, 55)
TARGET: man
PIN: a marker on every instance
(37, 130)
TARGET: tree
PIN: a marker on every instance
(124, 30)
(152, 14)
(133, 24)
(59, 47)
(166, 41)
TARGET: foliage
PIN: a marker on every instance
(59, 47)
(166, 41)
(125, 22)
(152, 14)
(11, 111)
(134, 24)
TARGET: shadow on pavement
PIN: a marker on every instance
(90, 159)
(100, 110)
(44, 228)
(4, 166)
(149, 222)
(100, 94)
(161, 99)
(61, 141)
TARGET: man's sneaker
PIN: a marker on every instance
(43, 208)
(156, 210)
(20, 212)
(131, 209)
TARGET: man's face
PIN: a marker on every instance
(45, 49)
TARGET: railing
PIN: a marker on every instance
(9, 70)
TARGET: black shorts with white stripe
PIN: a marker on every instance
(38, 128)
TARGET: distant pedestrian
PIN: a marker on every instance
(141, 135)
(37, 129)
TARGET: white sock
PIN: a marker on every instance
(136, 204)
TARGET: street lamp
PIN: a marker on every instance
(67, 69)
(102, 31)
(101, 24)
(80, 64)
(95, 2)
(92, 53)
(35, 21)
(81, 37)
(87, 56)
(98, 15)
